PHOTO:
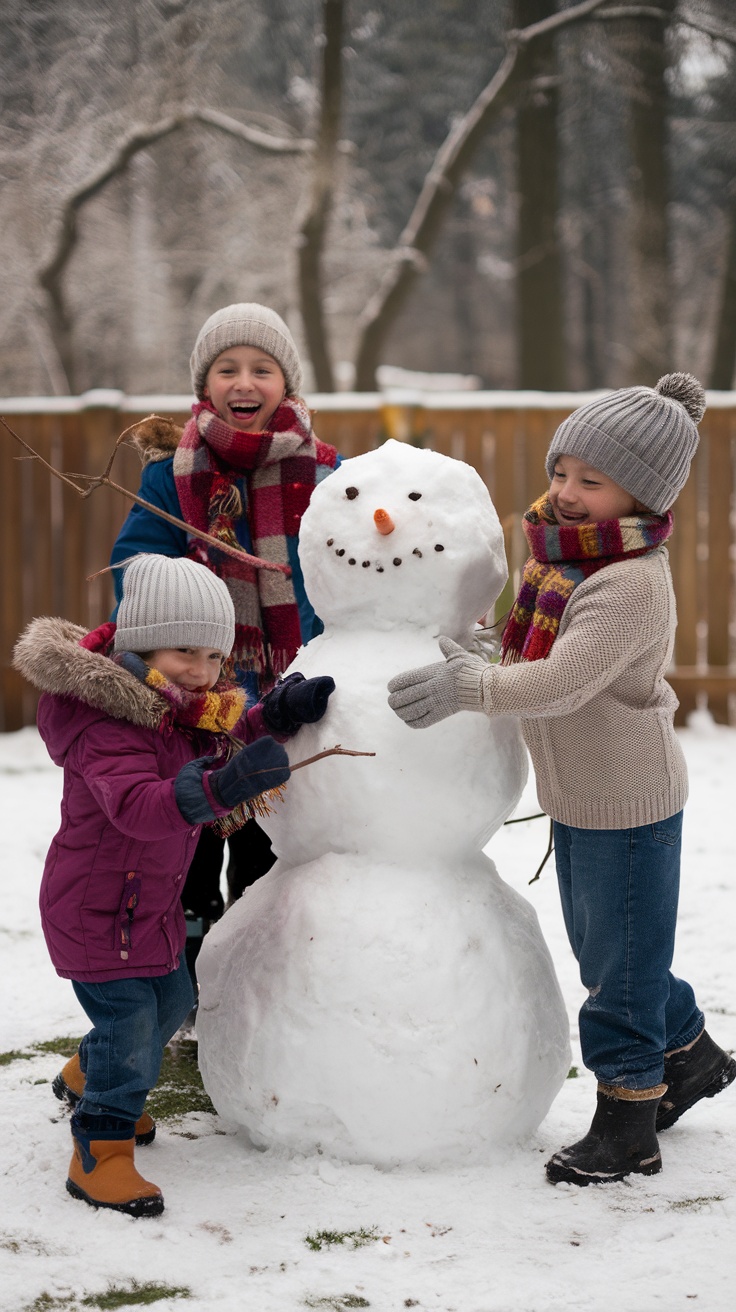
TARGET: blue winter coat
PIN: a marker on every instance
(144, 531)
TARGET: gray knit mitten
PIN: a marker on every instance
(426, 695)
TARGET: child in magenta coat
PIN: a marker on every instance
(154, 742)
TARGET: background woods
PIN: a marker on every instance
(534, 194)
(539, 194)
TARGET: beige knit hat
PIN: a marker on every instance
(249, 324)
(644, 438)
(171, 602)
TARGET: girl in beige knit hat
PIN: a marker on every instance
(583, 658)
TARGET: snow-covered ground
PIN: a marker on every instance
(480, 1239)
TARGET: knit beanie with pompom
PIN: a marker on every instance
(173, 602)
(248, 324)
(644, 438)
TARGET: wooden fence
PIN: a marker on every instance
(51, 539)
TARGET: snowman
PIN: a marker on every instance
(381, 995)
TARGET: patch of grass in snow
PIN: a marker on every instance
(355, 1238)
(63, 1047)
(337, 1301)
(15, 1055)
(180, 1089)
(133, 1295)
(686, 1204)
(572, 1074)
(15, 1245)
(136, 1295)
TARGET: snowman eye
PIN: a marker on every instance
(414, 496)
(351, 493)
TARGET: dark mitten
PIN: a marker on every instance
(253, 770)
(296, 701)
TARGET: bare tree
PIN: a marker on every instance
(315, 217)
(410, 258)
(641, 41)
(540, 327)
(723, 367)
(50, 276)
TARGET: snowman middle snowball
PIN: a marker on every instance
(381, 995)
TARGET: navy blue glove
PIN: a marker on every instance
(253, 770)
(296, 701)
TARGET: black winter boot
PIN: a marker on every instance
(621, 1141)
(700, 1071)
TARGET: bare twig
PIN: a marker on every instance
(684, 19)
(254, 135)
(103, 480)
(309, 760)
(330, 751)
(713, 30)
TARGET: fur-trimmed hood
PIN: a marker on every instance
(49, 656)
(156, 438)
(111, 890)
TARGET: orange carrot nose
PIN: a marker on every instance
(383, 521)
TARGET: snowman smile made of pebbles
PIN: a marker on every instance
(381, 995)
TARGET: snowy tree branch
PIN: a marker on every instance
(51, 273)
(438, 191)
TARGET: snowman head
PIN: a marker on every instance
(402, 536)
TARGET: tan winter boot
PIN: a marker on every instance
(69, 1087)
(102, 1171)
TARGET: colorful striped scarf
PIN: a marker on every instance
(561, 558)
(281, 468)
(218, 711)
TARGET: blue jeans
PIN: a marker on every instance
(619, 891)
(133, 1020)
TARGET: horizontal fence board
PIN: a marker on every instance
(52, 539)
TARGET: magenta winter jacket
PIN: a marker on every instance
(110, 895)
(111, 888)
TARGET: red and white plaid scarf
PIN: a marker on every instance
(280, 470)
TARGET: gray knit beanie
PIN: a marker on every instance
(642, 437)
(173, 603)
(246, 325)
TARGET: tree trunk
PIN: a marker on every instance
(540, 322)
(448, 168)
(642, 42)
(724, 352)
(313, 226)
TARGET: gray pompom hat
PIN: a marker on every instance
(171, 602)
(247, 324)
(644, 438)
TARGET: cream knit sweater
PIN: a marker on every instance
(597, 714)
